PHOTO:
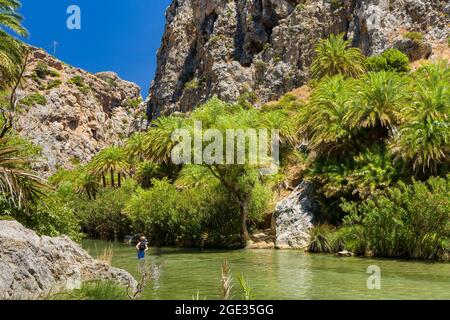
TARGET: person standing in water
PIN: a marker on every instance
(142, 248)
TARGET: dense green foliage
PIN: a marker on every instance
(12, 51)
(391, 60)
(406, 221)
(27, 198)
(370, 138)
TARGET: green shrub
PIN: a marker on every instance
(408, 221)
(134, 103)
(320, 242)
(414, 36)
(53, 73)
(198, 215)
(192, 85)
(248, 99)
(53, 84)
(79, 82)
(260, 66)
(167, 215)
(95, 290)
(34, 99)
(103, 216)
(111, 82)
(7, 218)
(390, 60)
(41, 70)
(51, 216)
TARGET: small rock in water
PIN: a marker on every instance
(345, 253)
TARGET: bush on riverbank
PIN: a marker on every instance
(407, 221)
(94, 290)
(188, 216)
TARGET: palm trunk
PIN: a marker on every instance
(119, 182)
(243, 206)
(112, 179)
(104, 181)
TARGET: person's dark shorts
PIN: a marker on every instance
(141, 254)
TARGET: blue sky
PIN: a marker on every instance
(116, 35)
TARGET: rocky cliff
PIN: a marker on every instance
(228, 48)
(33, 267)
(71, 113)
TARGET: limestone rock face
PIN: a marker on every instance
(33, 266)
(294, 217)
(82, 113)
(227, 48)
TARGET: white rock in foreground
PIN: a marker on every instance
(33, 266)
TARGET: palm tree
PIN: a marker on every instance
(323, 122)
(136, 147)
(16, 182)
(335, 56)
(431, 98)
(424, 139)
(87, 184)
(159, 138)
(11, 50)
(146, 171)
(380, 98)
(423, 144)
(111, 160)
(281, 121)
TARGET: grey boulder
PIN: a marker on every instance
(32, 267)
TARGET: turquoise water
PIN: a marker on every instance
(275, 274)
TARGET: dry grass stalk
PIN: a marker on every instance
(226, 281)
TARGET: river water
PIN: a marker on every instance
(275, 274)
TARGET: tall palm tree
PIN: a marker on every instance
(431, 89)
(424, 139)
(159, 138)
(16, 182)
(111, 160)
(136, 148)
(323, 122)
(11, 50)
(87, 184)
(335, 56)
(425, 144)
(146, 171)
(380, 98)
